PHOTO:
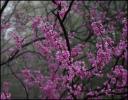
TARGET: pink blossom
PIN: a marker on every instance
(77, 50)
(63, 57)
(125, 29)
(120, 48)
(50, 90)
(36, 22)
(18, 40)
(5, 94)
(98, 28)
(121, 73)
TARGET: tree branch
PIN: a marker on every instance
(16, 51)
(3, 7)
(68, 11)
(13, 73)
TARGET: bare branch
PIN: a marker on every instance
(3, 7)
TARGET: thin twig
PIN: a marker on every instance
(13, 73)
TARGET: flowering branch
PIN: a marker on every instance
(12, 56)
(68, 11)
(63, 27)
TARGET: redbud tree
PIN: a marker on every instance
(72, 50)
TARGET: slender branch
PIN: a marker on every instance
(29, 51)
(3, 7)
(17, 50)
(9, 17)
(13, 73)
(63, 27)
(65, 33)
(68, 11)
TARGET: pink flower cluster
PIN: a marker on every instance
(118, 79)
(36, 22)
(33, 78)
(98, 28)
(77, 50)
(71, 68)
(44, 50)
(76, 90)
(5, 26)
(78, 68)
(47, 85)
(103, 55)
(120, 48)
(63, 70)
(121, 74)
(18, 40)
(63, 7)
(125, 29)
(50, 90)
(63, 57)
(52, 38)
(53, 43)
(6, 95)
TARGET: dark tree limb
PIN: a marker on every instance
(3, 7)
(68, 11)
(17, 51)
(62, 25)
